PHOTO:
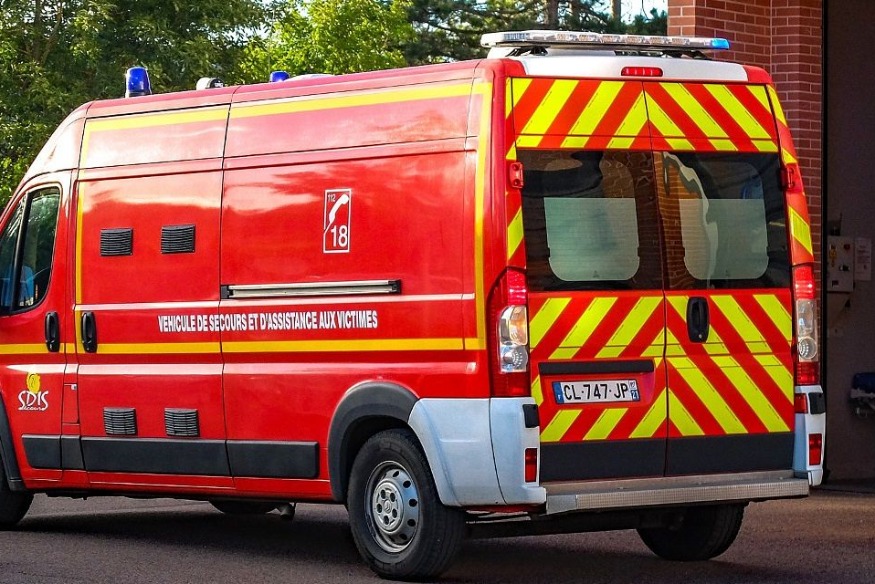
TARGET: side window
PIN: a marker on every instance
(724, 220)
(27, 246)
(590, 220)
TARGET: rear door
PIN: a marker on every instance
(728, 278)
(594, 268)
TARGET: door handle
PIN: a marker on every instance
(89, 332)
(698, 319)
(53, 332)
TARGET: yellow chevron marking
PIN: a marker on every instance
(680, 144)
(606, 423)
(782, 376)
(661, 120)
(742, 323)
(559, 425)
(681, 418)
(787, 157)
(631, 326)
(549, 107)
(673, 345)
(515, 234)
(654, 418)
(594, 111)
(760, 94)
(519, 85)
(777, 312)
(767, 146)
(537, 390)
(738, 112)
(542, 322)
(584, 328)
(709, 396)
(800, 230)
(621, 143)
(776, 105)
(528, 141)
(575, 142)
(656, 349)
(724, 145)
(763, 408)
(715, 344)
(695, 110)
(511, 154)
(635, 119)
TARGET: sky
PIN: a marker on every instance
(633, 7)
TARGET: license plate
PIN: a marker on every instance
(586, 392)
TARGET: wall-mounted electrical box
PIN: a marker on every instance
(840, 264)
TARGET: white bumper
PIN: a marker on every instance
(808, 424)
(476, 448)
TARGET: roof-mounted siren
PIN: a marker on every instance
(137, 82)
(277, 76)
(500, 42)
(209, 83)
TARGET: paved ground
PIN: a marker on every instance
(829, 537)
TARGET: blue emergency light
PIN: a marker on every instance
(278, 76)
(137, 82)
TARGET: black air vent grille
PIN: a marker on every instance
(181, 422)
(116, 242)
(120, 421)
(177, 239)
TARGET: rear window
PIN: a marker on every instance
(620, 220)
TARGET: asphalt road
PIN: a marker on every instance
(829, 537)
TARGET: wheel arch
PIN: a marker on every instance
(7, 451)
(363, 411)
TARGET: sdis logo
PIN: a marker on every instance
(33, 399)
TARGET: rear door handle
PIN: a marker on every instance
(53, 332)
(698, 319)
(89, 332)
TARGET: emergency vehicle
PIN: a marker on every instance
(564, 288)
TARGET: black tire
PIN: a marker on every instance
(243, 507)
(399, 525)
(702, 534)
(13, 505)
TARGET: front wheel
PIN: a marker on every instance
(398, 523)
(13, 505)
(703, 533)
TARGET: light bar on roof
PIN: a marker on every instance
(550, 38)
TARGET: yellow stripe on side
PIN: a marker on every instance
(344, 346)
(761, 406)
(594, 111)
(559, 425)
(583, 329)
(653, 419)
(158, 348)
(695, 110)
(24, 349)
(79, 214)
(515, 234)
(738, 112)
(549, 108)
(483, 158)
(800, 230)
(682, 419)
(709, 396)
(606, 423)
(151, 120)
(777, 312)
(325, 102)
(541, 323)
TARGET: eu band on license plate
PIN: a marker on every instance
(585, 392)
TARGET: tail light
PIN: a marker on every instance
(800, 403)
(815, 449)
(805, 327)
(531, 465)
(509, 336)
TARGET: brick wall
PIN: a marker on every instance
(784, 37)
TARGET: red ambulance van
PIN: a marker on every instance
(566, 287)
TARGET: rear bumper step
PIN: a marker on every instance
(673, 491)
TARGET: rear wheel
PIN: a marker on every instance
(13, 505)
(398, 523)
(243, 507)
(702, 534)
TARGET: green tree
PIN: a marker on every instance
(57, 54)
(330, 36)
